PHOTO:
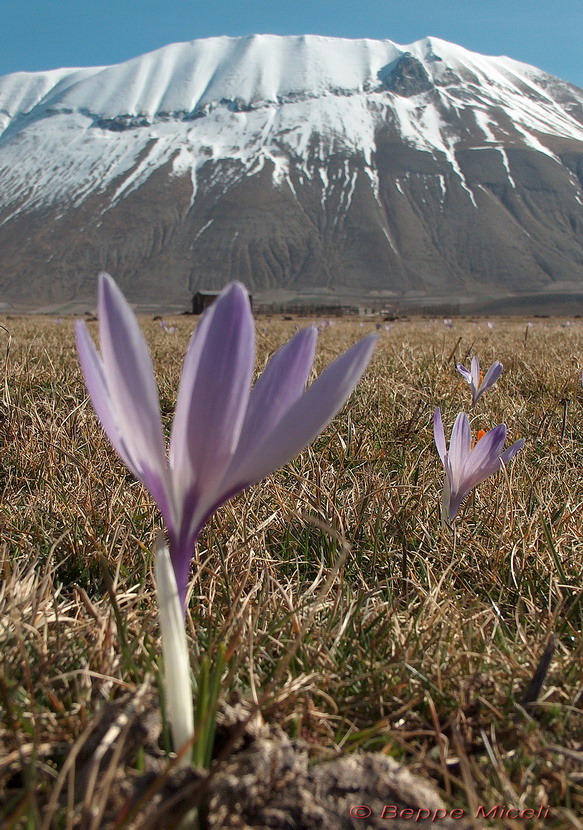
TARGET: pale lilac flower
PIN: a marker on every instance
(473, 377)
(165, 327)
(466, 467)
(448, 323)
(225, 435)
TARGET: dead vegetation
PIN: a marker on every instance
(351, 617)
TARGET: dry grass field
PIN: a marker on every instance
(356, 620)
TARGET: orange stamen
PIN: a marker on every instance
(480, 434)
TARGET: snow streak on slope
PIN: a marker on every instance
(261, 100)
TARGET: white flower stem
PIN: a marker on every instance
(177, 682)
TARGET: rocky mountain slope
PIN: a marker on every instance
(304, 166)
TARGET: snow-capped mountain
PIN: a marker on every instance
(308, 165)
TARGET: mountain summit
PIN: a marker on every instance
(304, 166)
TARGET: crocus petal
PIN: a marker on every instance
(509, 454)
(484, 459)
(130, 380)
(279, 386)
(475, 368)
(92, 367)
(491, 377)
(465, 373)
(305, 419)
(439, 434)
(459, 447)
(452, 504)
(214, 391)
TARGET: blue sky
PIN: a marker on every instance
(47, 34)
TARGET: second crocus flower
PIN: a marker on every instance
(478, 384)
(466, 466)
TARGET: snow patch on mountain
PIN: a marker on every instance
(260, 100)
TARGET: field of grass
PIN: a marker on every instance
(347, 610)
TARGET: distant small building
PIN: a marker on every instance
(202, 300)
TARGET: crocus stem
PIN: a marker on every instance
(177, 683)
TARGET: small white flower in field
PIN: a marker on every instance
(466, 466)
(166, 328)
(448, 323)
(226, 435)
(490, 324)
(473, 377)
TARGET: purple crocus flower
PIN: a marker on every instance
(466, 467)
(472, 376)
(226, 435)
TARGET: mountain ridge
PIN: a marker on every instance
(296, 164)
